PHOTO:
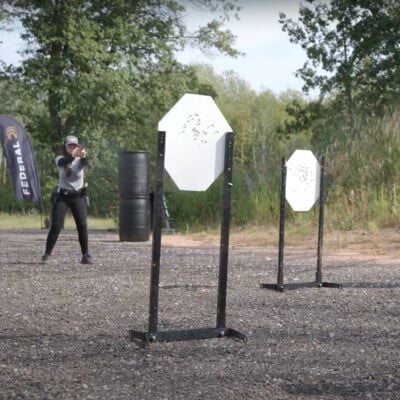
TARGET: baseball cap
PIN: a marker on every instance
(70, 139)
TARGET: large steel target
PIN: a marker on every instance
(195, 144)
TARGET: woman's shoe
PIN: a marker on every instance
(86, 259)
(45, 258)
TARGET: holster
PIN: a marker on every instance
(54, 195)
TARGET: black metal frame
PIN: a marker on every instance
(280, 286)
(220, 330)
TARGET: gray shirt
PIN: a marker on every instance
(70, 170)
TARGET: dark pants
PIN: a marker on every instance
(77, 205)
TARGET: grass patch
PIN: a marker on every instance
(35, 221)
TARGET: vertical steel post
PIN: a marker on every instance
(157, 227)
(282, 217)
(321, 221)
(224, 244)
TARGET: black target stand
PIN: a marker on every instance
(280, 286)
(220, 330)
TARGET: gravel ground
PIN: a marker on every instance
(64, 326)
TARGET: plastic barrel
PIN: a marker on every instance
(134, 204)
(134, 219)
(133, 174)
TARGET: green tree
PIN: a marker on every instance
(105, 71)
(235, 97)
(3, 26)
(93, 59)
(352, 51)
(257, 121)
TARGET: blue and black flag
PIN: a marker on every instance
(20, 159)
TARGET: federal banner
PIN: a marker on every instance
(20, 158)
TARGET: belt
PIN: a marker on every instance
(66, 192)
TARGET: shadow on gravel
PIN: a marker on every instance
(360, 389)
(370, 285)
(188, 286)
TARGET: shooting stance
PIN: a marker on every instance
(70, 192)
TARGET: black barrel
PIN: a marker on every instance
(134, 204)
(134, 219)
(133, 173)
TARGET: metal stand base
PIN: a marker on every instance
(294, 286)
(185, 334)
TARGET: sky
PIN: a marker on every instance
(269, 61)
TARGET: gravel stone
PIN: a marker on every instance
(64, 326)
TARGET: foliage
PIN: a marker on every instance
(106, 72)
(256, 121)
(352, 48)
(372, 158)
(93, 60)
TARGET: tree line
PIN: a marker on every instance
(107, 72)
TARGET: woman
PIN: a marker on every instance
(70, 193)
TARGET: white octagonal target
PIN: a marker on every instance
(195, 142)
(302, 180)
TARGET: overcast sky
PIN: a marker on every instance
(270, 60)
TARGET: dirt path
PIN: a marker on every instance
(379, 246)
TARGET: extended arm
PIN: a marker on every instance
(65, 160)
(69, 158)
